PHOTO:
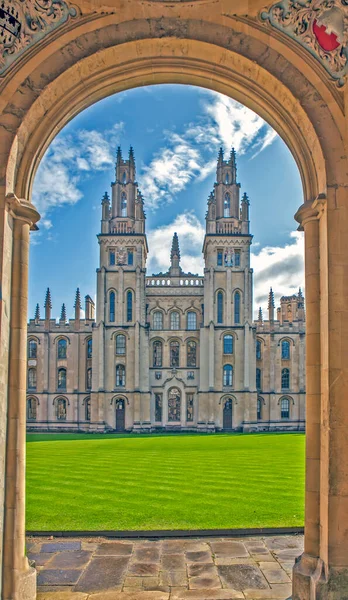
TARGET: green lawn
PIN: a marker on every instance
(164, 481)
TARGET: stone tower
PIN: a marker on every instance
(228, 292)
(120, 333)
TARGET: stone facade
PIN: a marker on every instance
(174, 350)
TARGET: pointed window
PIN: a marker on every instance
(120, 376)
(237, 308)
(112, 302)
(32, 379)
(285, 408)
(62, 346)
(191, 320)
(227, 179)
(124, 177)
(227, 205)
(258, 379)
(157, 354)
(228, 375)
(220, 258)
(191, 354)
(158, 408)
(89, 348)
(220, 307)
(61, 379)
(112, 258)
(130, 257)
(32, 349)
(121, 344)
(258, 350)
(61, 409)
(158, 320)
(259, 409)
(285, 350)
(237, 258)
(174, 354)
(123, 205)
(87, 409)
(228, 344)
(89, 379)
(174, 405)
(129, 306)
(31, 409)
(285, 379)
(174, 320)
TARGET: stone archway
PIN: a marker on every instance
(111, 46)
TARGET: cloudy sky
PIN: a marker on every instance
(176, 132)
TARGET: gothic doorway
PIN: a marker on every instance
(227, 415)
(120, 415)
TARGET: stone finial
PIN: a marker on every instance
(260, 317)
(77, 299)
(63, 314)
(245, 207)
(175, 251)
(233, 163)
(131, 155)
(118, 155)
(48, 305)
(271, 305)
(106, 199)
(37, 313)
(220, 156)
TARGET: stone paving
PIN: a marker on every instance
(255, 568)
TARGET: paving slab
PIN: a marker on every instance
(204, 583)
(207, 595)
(40, 558)
(173, 546)
(61, 596)
(146, 555)
(58, 576)
(199, 557)
(60, 546)
(130, 596)
(173, 562)
(143, 569)
(174, 578)
(114, 549)
(103, 573)
(240, 577)
(229, 549)
(70, 560)
(277, 592)
(202, 570)
(274, 573)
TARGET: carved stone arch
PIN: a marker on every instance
(286, 339)
(58, 397)
(233, 333)
(225, 397)
(32, 336)
(117, 397)
(290, 398)
(29, 396)
(262, 400)
(121, 331)
(61, 336)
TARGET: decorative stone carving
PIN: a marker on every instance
(320, 26)
(24, 22)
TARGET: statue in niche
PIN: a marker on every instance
(228, 257)
(121, 256)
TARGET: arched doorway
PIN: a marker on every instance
(227, 415)
(120, 413)
(229, 50)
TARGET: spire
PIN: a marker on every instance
(233, 164)
(37, 314)
(63, 314)
(118, 155)
(260, 317)
(77, 307)
(220, 157)
(245, 207)
(48, 305)
(105, 199)
(131, 154)
(271, 305)
(175, 256)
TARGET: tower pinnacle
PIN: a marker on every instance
(37, 314)
(175, 268)
(63, 314)
(271, 305)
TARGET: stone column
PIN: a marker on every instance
(19, 577)
(309, 567)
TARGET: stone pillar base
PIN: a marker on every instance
(26, 585)
(309, 579)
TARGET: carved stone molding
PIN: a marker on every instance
(320, 26)
(25, 22)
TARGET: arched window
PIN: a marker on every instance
(228, 375)
(258, 350)
(61, 409)
(158, 408)
(284, 408)
(61, 379)
(32, 378)
(174, 320)
(227, 179)
(129, 306)
(120, 376)
(32, 349)
(285, 379)
(237, 307)
(157, 354)
(227, 204)
(228, 344)
(220, 307)
(285, 350)
(89, 348)
(191, 320)
(112, 303)
(124, 177)
(87, 409)
(191, 354)
(31, 409)
(174, 354)
(258, 379)
(89, 379)
(174, 405)
(62, 347)
(123, 205)
(259, 409)
(121, 344)
(158, 320)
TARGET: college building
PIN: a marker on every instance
(174, 350)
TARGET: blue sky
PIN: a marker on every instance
(176, 132)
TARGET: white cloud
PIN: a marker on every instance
(279, 267)
(191, 234)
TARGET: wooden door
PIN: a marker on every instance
(227, 418)
(120, 415)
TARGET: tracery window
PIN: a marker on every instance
(32, 378)
(129, 306)
(121, 344)
(220, 255)
(31, 409)
(112, 303)
(120, 376)
(89, 348)
(228, 375)
(124, 177)
(258, 379)
(89, 379)
(130, 257)
(189, 407)
(228, 344)
(285, 408)
(158, 320)
(191, 354)
(174, 354)
(237, 307)
(157, 354)
(174, 405)
(227, 179)
(285, 350)
(191, 320)
(237, 258)
(259, 409)
(123, 205)
(220, 307)
(61, 409)
(61, 379)
(174, 320)
(62, 347)
(258, 350)
(158, 407)
(87, 409)
(32, 349)
(285, 379)
(227, 204)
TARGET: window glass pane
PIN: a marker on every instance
(112, 299)
(89, 379)
(130, 257)
(32, 349)
(285, 350)
(189, 407)
(112, 257)
(191, 320)
(120, 344)
(285, 408)
(258, 350)
(228, 344)
(219, 258)
(227, 205)
(31, 409)
(220, 307)
(120, 376)
(158, 320)
(62, 346)
(158, 408)
(237, 307)
(61, 409)
(191, 354)
(258, 379)
(258, 409)
(228, 375)
(61, 379)
(237, 258)
(157, 354)
(174, 320)
(174, 354)
(89, 348)
(285, 379)
(87, 409)
(123, 205)
(32, 378)
(129, 306)
(174, 405)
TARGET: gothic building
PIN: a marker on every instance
(171, 351)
